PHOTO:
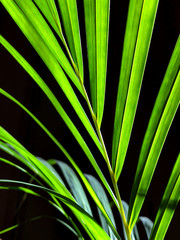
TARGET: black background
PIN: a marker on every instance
(15, 80)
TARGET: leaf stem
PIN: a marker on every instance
(106, 157)
(121, 209)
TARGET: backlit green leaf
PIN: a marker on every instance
(168, 204)
(101, 176)
(48, 8)
(69, 15)
(162, 116)
(97, 34)
(141, 17)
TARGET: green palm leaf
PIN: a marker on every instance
(101, 176)
(48, 57)
(168, 204)
(162, 116)
(97, 30)
(50, 96)
(53, 29)
(141, 17)
(69, 15)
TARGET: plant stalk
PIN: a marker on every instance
(113, 179)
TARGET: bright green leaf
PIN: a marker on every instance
(162, 116)
(69, 14)
(168, 204)
(141, 17)
(97, 33)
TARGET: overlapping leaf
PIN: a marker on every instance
(48, 8)
(92, 228)
(40, 41)
(101, 176)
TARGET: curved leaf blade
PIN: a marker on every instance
(52, 99)
(92, 160)
(75, 186)
(148, 225)
(92, 228)
(36, 219)
(49, 60)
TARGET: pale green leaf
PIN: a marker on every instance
(105, 202)
(94, 195)
(51, 168)
(52, 98)
(148, 225)
(75, 186)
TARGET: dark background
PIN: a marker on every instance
(15, 80)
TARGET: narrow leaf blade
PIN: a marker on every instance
(148, 225)
(168, 204)
(162, 116)
(102, 36)
(90, 25)
(75, 186)
(69, 15)
(126, 116)
(105, 202)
